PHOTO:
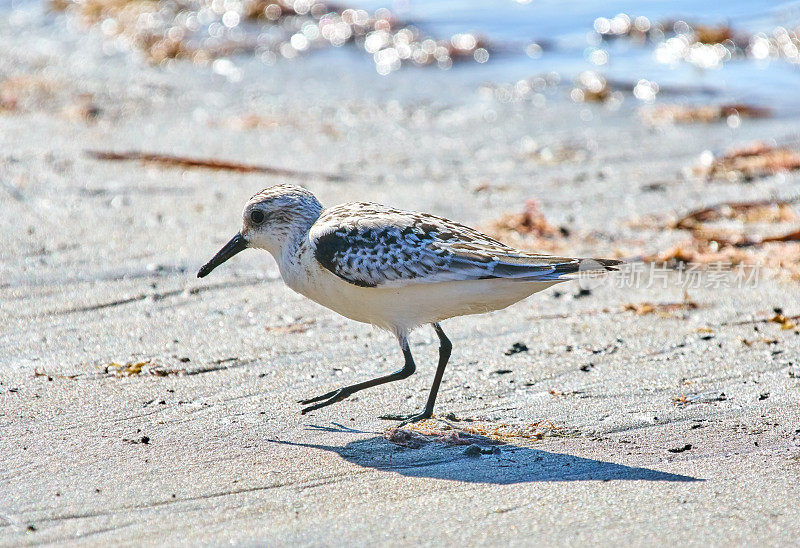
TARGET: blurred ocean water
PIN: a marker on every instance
(565, 29)
(563, 37)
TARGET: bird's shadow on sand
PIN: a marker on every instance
(512, 464)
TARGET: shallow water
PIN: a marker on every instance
(567, 27)
(564, 29)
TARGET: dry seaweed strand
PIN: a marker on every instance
(732, 238)
(147, 367)
(770, 211)
(50, 376)
(687, 114)
(786, 322)
(793, 236)
(129, 369)
(187, 162)
(751, 342)
(726, 246)
(751, 162)
(666, 310)
(780, 318)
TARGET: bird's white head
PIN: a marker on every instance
(273, 219)
(277, 215)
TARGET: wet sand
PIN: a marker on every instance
(679, 428)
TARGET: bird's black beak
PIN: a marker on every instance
(237, 244)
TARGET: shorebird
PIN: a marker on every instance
(394, 269)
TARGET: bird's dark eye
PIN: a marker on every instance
(257, 216)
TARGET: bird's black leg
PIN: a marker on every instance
(338, 395)
(445, 347)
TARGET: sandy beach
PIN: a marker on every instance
(142, 406)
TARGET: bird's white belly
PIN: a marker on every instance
(400, 309)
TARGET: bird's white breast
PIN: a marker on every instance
(399, 309)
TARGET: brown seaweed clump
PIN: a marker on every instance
(687, 114)
(758, 211)
(527, 229)
(701, 44)
(665, 310)
(591, 87)
(205, 30)
(712, 240)
(750, 162)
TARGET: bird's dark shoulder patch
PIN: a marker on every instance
(334, 252)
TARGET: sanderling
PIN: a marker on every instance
(390, 268)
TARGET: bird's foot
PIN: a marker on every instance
(325, 396)
(407, 419)
(325, 400)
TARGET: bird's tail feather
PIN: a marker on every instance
(587, 268)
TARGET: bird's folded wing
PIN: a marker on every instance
(418, 248)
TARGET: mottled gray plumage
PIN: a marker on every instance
(372, 245)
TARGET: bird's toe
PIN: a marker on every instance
(325, 400)
(325, 396)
